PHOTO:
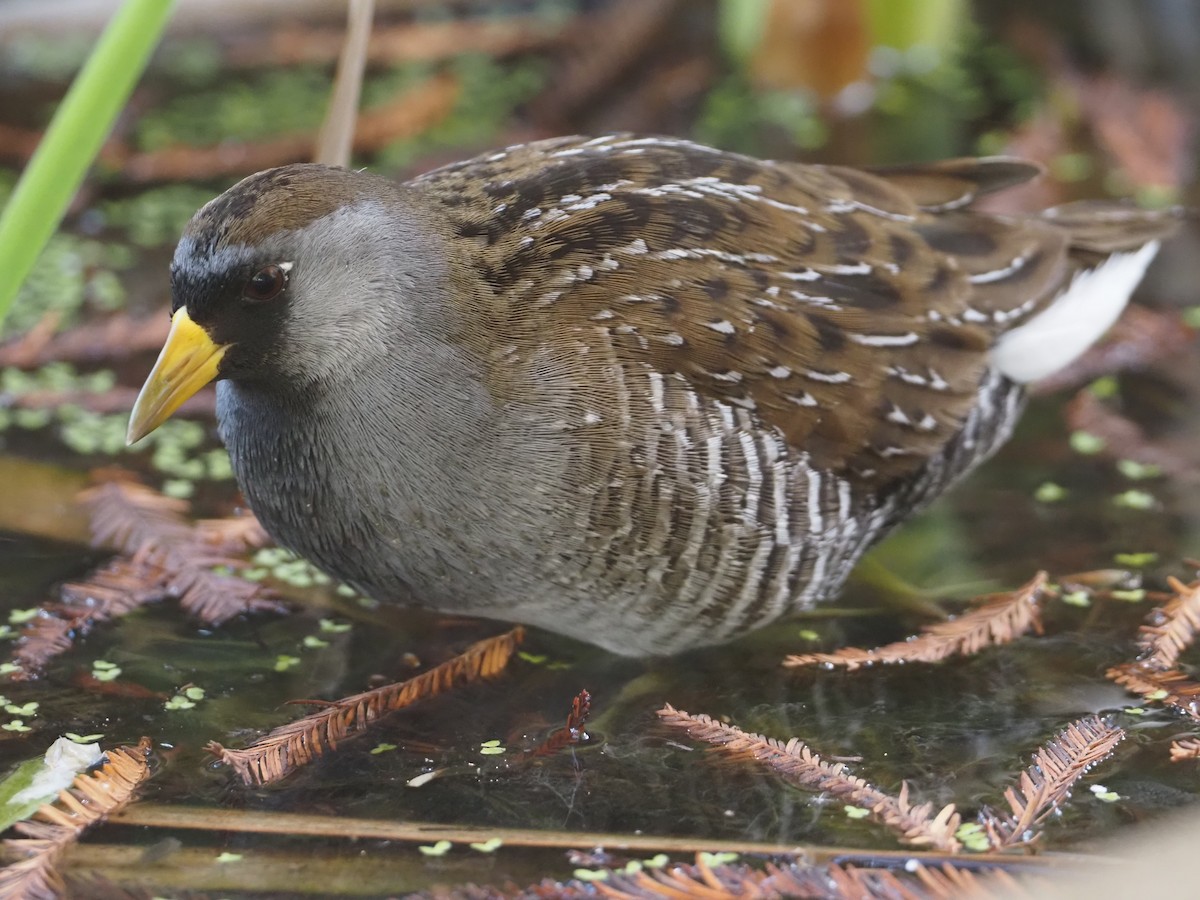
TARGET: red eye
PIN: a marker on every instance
(265, 284)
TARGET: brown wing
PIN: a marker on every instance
(851, 310)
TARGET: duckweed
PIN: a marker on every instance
(156, 218)
(1135, 560)
(178, 488)
(70, 273)
(438, 849)
(1135, 500)
(1049, 492)
(1085, 443)
(285, 566)
(1136, 471)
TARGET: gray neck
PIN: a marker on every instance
(379, 459)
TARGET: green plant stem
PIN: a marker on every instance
(78, 129)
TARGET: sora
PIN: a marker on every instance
(634, 390)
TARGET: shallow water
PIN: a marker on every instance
(959, 731)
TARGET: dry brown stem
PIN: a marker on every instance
(410, 114)
(92, 797)
(115, 337)
(1056, 766)
(298, 743)
(797, 764)
(390, 45)
(1002, 618)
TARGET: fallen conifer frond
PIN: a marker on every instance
(797, 764)
(1169, 631)
(1002, 618)
(1056, 766)
(1173, 687)
(54, 827)
(785, 876)
(298, 743)
(162, 556)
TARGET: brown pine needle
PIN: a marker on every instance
(1189, 748)
(1056, 766)
(1002, 618)
(92, 797)
(800, 766)
(298, 743)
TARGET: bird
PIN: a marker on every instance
(635, 390)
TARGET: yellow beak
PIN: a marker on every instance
(188, 362)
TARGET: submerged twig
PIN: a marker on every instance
(298, 743)
(1188, 748)
(571, 732)
(797, 764)
(1002, 618)
(92, 797)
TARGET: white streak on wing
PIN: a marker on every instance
(999, 274)
(828, 377)
(657, 405)
(800, 275)
(816, 524)
(588, 202)
(814, 586)
(842, 205)
(844, 501)
(859, 268)
(753, 478)
(1057, 336)
(884, 340)
(779, 484)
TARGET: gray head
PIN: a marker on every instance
(293, 276)
(302, 271)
